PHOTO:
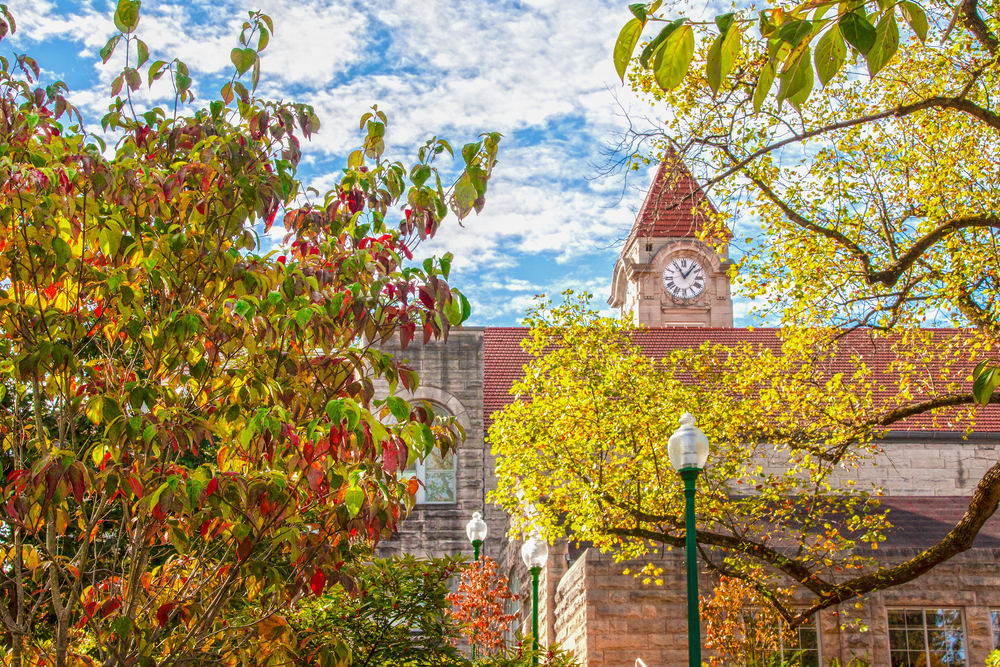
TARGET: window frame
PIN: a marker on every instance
(927, 649)
(782, 649)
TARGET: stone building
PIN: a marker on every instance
(668, 280)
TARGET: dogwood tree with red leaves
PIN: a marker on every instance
(191, 440)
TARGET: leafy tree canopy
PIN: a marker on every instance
(861, 137)
(190, 434)
(793, 429)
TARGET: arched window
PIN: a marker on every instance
(436, 472)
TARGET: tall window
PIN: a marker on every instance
(801, 648)
(436, 472)
(926, 638)
(513, 606)
(995, 624)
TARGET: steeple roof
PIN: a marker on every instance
(675, 206)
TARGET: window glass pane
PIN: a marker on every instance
(914, 618)
(995, 622)
(897, 618)
(435, 461)
(915, 640)
(440, 486)
(899, 658)
(897, 640)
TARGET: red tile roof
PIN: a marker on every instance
(505, 360)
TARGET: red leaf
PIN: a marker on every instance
(243, 548)
(163, 613)
(135, 485)
(110, 606)
(314, 475)
(406, 334)
(426, 298)
(318, 582)
(213, 484)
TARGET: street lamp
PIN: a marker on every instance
(688, 451)
(535, 553)
(476, 530)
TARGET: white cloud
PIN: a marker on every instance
(540, 72)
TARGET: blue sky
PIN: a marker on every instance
(538, 71)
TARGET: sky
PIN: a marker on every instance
(538, 71)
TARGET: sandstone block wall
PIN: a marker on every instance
(451, 374)
(609, 619)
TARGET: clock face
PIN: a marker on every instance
(684, 278)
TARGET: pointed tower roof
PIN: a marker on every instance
(674, 205)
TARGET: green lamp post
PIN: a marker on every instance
(688, 451)
(535, 553)
(476, 529)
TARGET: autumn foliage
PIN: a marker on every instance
(481, 605)
(191, 438)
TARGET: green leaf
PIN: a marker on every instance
(915, 18)
(156, 70)
(858, 32)
(335, 410)
(399, 408)
(354, 498)
(672, 60)
(886, 44)
(831, 53)
(797, 79)
(652, 47)
(721, 57)
(446, 264)
(466, 306)
(109, 48)
(627, 39)
(355, 159)
(62, 251)
(465, 194)
(265, 37)
(986, 383)
(127, 15)
(724, 22)
(143, 52)
(453, 310)
(980, 367)
(638, 11)
(419, 174)
(243, 59)
(795, 31)
(764, 83)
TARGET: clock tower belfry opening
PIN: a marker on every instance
(666, 275)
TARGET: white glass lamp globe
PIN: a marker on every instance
(688, 446)
(477, 528)
(535, 551)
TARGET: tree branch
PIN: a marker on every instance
(977, 26)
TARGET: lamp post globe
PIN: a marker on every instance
(688, 446)
(534, 553)
(688, 451)
(477, 530)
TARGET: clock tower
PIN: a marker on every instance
(666, 276)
